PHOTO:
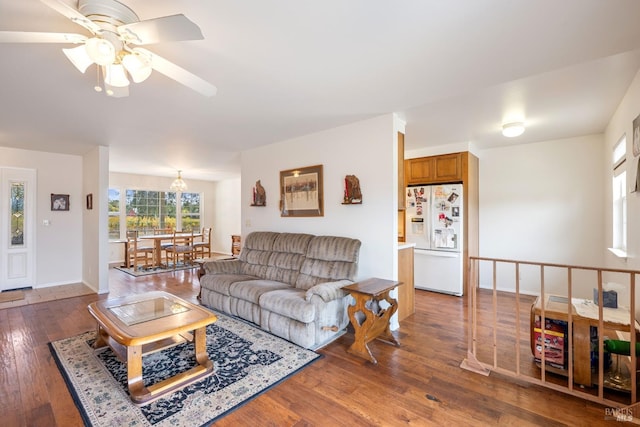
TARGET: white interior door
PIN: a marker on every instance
(17, 227)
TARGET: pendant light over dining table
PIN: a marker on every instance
(178, 184)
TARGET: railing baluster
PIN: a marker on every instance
(495, 316)
(568, 339)
(543, 327)
(474, 313)
(518, 332)
(600, 338)
(632, 335)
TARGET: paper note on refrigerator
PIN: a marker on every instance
(444, 238)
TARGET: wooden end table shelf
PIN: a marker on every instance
(368, 319)
(137, 325)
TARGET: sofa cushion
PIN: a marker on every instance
(328, 291)
(289, 303)
(287, 257)
(256, 252)
(222, 266)
(221, 283)
(329, 258)
(250, 290)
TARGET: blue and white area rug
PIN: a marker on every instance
(140, 271)
(247, 362)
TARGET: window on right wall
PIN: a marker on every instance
(619, 199)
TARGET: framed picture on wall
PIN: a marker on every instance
(59, 202)
(301, 192)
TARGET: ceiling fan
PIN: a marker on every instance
(116, 33)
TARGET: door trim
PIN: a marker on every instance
(17, 263)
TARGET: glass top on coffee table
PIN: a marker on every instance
(146, 310)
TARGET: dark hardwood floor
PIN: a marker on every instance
(419, 383)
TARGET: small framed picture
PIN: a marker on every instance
(90, 201)
(301, 192)
(59, 202)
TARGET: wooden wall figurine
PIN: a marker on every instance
(259, 195)
(352, 193)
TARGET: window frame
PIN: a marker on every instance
(619, 199)
(125, 194)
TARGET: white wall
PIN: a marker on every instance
(542, 202)
(227, 211)
(365, 149)
(95, 233)
(619, 125)
(59, 246)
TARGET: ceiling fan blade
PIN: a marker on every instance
(165, 29)
(28, 37)
(73, 15)
(178, 74)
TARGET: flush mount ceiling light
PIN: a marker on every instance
(178, 184)
(513, 129)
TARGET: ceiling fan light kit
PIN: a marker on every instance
(513, 129)
(138, 66)
(115, 76)
(101, 51)
(79, 57)
(115, 29)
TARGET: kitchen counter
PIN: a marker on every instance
(403, 245)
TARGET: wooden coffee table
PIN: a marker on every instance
(137, 325)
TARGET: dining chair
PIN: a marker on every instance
(138, 253)
(181, 247)
(163, 243)
(204, 245)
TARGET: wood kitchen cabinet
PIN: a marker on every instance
(435, 169)
(406, 293)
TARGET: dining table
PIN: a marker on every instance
(157, 243)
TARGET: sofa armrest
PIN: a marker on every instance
(222, 266)
(328, 291)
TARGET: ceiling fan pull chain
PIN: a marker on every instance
(98, 86)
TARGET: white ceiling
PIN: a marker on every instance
(454, 70)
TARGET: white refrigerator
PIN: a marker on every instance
(434, 224)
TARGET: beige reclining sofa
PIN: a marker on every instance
(289, 284)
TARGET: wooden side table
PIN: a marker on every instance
(235, 244)
(369, 320)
